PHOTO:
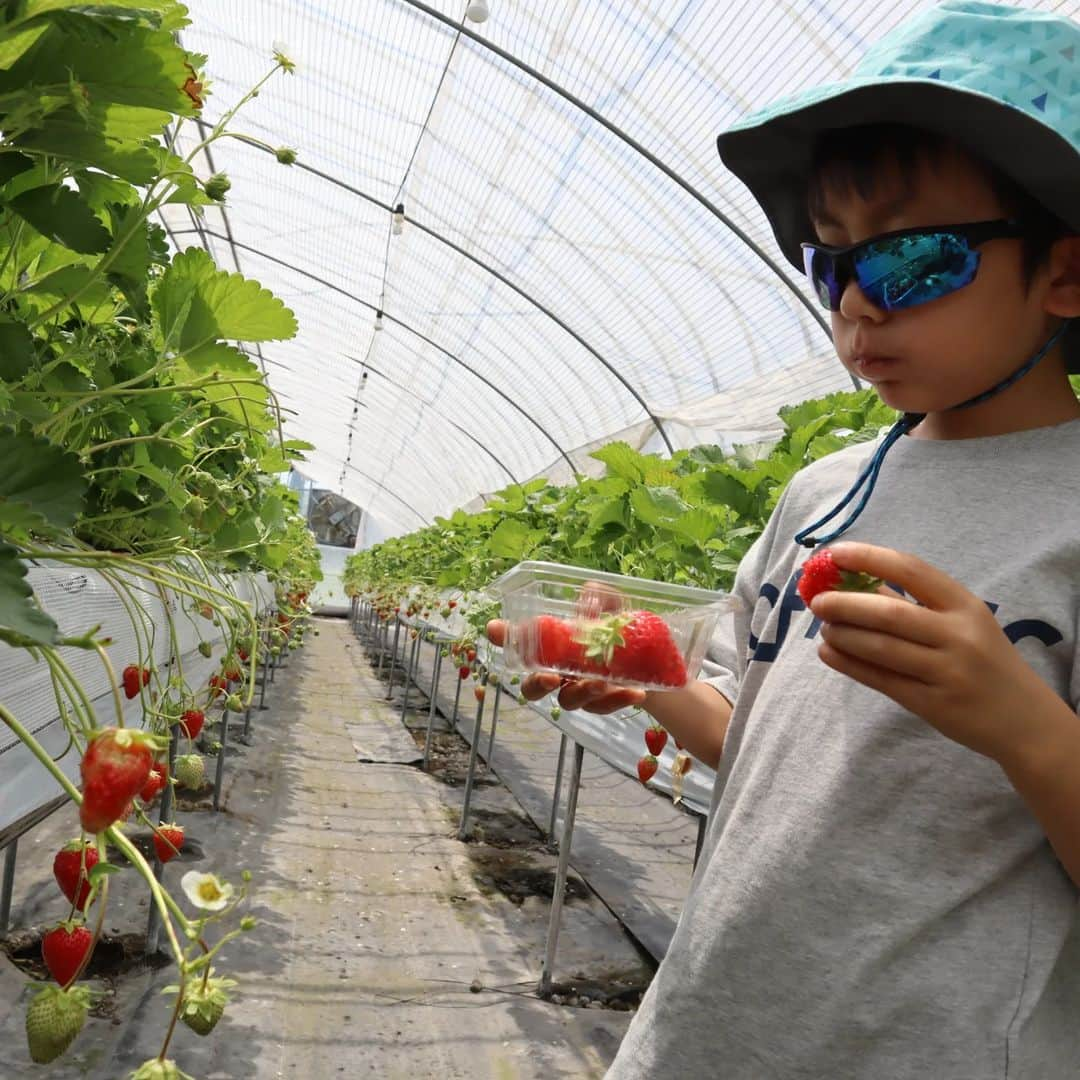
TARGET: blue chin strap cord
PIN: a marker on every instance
(905, 424)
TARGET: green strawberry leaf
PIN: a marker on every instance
(60, 214)
(21, 620)
(196, 304)
(16, 350)
(42, 487)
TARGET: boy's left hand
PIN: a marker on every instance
(947, 661)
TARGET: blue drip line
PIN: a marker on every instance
(869, 475)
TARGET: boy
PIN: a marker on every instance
(889, 884)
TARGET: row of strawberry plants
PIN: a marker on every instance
(140, 443)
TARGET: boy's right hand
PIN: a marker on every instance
(592, 695)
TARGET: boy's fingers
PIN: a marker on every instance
(496, 631)
(534, 687)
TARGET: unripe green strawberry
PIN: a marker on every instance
(155, 1069)
(205, 648)
(53, 1020)
(233, 703)
(522, 699)
(515, 680)
(203, 1007)
(556, 712)
(190, 771)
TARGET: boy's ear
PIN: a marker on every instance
(1063, 291)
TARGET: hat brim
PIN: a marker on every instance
(772, 153)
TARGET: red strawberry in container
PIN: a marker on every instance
(114, 768)
(636, 647)
(71, 866)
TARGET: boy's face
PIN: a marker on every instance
(930, 357)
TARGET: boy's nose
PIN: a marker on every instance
(855, 306)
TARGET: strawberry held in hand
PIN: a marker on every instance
(821, 574)
(114, 769)
(68, 869)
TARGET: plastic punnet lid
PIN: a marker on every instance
(530, 573)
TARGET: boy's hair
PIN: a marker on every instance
(850, 159)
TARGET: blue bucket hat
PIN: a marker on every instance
(1004, 82)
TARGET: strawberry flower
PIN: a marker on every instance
(206, 891)
(283, 58)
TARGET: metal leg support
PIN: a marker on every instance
(431, 709)
(410, 675)
(220, 774)
(560, 873)
(11, 853)
(393, 662)
(463, 828)
(457, 698)
(558, 788)
(494, 724)
(153, 924)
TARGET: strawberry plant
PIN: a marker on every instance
(141, 440)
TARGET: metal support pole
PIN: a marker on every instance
(560, 874)
(220, 775)
(264, 652)
(463, 828)
(558, 788)
(410, 674)
(11, 853)
(431, 709)
(273, 660)
(153, 924)
(701, 822)
(494, 724)
(457, 698)
(393, 661)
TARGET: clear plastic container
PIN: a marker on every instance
(588, 624)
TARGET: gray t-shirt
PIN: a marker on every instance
(875, 901)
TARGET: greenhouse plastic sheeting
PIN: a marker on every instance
(569, 263)
(79, 599)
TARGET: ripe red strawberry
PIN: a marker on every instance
(146, 676)
(478, 691)
(464, 672)
(68, 871)
(646, 768)
(131, 677)
(63, 949)
(637, 647)
(234, 674)
(451, 604)
(556, 645)
(168, 840)
(821, 574)
(155, 782)
(655, 738)
(219, 685)
(244, 655)
(470, 655)
(191, 723)
(114, 768)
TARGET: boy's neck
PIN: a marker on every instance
(1042, 402)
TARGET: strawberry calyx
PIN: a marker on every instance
(602, 637)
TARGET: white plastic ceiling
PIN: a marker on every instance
(553, 287)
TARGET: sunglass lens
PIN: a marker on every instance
(911, 270)
(821, 270)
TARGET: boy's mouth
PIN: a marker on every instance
(871, 363)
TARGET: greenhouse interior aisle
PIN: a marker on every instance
(385, 946)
